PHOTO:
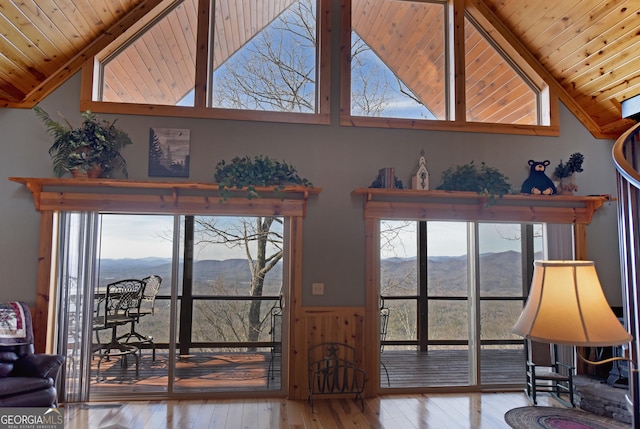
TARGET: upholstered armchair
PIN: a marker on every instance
(26, 379)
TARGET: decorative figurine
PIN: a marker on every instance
(420, 177)
(538, 183)
(387, 179)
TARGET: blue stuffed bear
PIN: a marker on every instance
(538, 183)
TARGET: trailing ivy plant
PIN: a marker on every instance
(484, 180)
(247, 173)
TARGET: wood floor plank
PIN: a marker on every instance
(157, 417)
(295, 414)
(218, 415)
(439, 411)
(451, 411)
(390, 406)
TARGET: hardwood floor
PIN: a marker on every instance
(442, 411)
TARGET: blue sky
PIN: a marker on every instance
(140, 236)
(144, 236)
(450, 238)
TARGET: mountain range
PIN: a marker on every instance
(500, 273)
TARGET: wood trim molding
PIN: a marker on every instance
(471, 206)
(43, 286)
(160, 197)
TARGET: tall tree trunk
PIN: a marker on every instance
(257, 276)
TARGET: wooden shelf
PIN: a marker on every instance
(111, 195)
(470, 206)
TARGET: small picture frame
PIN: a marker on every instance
(169, 152)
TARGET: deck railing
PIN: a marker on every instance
(626, 156)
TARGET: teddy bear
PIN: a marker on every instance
(538, 183)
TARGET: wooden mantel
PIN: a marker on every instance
(471, 206)
(50, 194)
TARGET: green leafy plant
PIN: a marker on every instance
(247, 173)
(484, 180)
(573, 165)
(564, 172)
(96, 144)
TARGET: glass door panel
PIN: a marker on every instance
(447, 304)
(504, 251)
(398, 299)
(75, 272)
(231, 305)
(133, 247)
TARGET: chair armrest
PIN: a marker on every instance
(568, 367)
(38, 365)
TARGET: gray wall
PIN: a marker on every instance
(337, 159)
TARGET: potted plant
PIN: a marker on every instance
(484, 180)
(91, 150)
(564, 173)
(260, 171)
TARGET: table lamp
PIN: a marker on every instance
(566, 305)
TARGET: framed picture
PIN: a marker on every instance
(169, 152)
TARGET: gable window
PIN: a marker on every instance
(422, 64)
(266, 62)
(158, 66)
(496, 91)
(428, 64)
(230, 59)
(398, 59)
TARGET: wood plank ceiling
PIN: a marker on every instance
(589, 48)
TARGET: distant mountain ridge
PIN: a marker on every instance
(234, 271)
(500, 272)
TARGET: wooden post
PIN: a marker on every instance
(40, 311)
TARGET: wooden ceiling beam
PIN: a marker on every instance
(10, 92)
(74, 64)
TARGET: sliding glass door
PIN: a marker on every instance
(449, 294)
(215, 323)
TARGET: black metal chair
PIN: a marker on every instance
(384, 323)
(276, 340)
(147, 307)
(112, 311)
(545, 373)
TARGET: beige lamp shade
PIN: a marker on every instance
(566, 305)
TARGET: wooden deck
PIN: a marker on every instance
(221, 371)
(211, 371)
(451, 368)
